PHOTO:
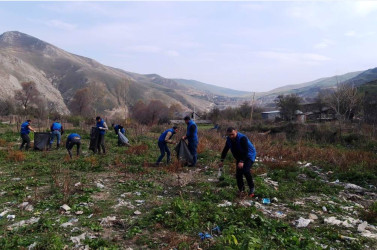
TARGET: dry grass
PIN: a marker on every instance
(15, 156)
(3, 143)
(137, 150)
(92, 160)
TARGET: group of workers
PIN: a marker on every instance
(241, 147)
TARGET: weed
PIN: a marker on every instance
(15, 156)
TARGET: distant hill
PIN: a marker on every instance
(209, 88)
(59, 74)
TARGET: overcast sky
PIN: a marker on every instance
(252, 46)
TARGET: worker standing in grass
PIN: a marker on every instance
(118, 128)
(56, 131)
(72, 140)
(25, 130)
(192, 138)
(102, 126)
(244, 152)
(163, 140)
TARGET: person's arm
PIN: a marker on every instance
(104, 126)
(30, 128)
(224, 152)
(167, 138)
(52, 127)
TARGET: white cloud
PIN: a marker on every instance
(324, 44)
(350, 33)
(143, 48)
(61, 25)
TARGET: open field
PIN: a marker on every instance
(119, 200)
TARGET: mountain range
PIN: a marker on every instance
(58, 74)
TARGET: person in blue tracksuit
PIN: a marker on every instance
(102, 126)
(244, 152)
(192, 138)
(118, 128)
(72, 140)
(25, 130)
(163, 140)
(56, 131)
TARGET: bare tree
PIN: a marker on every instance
(28, 95)
(344, 101)
(81, 101)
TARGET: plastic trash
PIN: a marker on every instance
(100, 186)
(266, 201)
(11, 217)
(302, 222)
(324, 209)
(204, 236)
(216, 230)
(220, 172)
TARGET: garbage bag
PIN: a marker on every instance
(94, 136)
(183, 153)
(122, 138)
(41, 140)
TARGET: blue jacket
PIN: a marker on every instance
(192, 135)
(238, 150)
(163, 135)
(73, 136)
(101, 124)
(25, 128)
(122, 130)
(56, 126)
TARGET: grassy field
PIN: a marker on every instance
(119, 200)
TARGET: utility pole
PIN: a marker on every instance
(252, 108)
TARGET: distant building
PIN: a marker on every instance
(271, 115)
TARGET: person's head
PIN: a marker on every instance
(231, 133)
(175, 128)
(187, 119)
(112, 125)
(98, 118)
(29, 121)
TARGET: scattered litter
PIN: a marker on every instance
(70, 223)
(137, 212)
(302, 222)
(137, 193)
(2, 193)
(225, 204)
(347, 238)
(76, 240)
(79, 212)
(313, 217)
(77, 184)
(266, 201)
(368, 234)
(298, 203)
(128, 194)
(353, 186)
(66, 207)
(246, 203)
(108, 221)
(275, 184)
(279, 214)
(23, 223)
(220, 172)
(204, 236)
(11, 217)
(2, 214)
(212, 180)
(123, 203)
(90, 216)
(324, 209)
(362, 226)
(216, 230)
(99, 185)
(26, 206)
(32, 246)
(16, 179)
(348, 222)
(275, 200)
(140, 202)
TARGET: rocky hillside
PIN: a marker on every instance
(59, 74)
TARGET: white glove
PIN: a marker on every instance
(100, 127)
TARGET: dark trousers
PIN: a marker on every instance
(101, 144)
(69, 145)
(163, 148)
(25, 140)
(192, 146)
(245, 171)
